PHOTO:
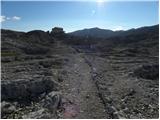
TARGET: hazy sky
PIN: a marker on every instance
(26, 16)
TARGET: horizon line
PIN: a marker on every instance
(78, 29)
(79, 1)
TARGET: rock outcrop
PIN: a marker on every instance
(57, 32)
(26, 90)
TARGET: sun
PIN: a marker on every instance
(100, 2)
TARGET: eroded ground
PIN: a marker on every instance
(72, 81)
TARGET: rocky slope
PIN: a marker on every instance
(55, 75)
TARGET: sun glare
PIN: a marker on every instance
(100, 1)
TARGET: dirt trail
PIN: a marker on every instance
(80, 94)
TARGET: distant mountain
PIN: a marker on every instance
(92, 32)
(105, 33)
(16, 44)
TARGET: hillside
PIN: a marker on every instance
(105, 75)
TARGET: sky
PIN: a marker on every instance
(71, 16)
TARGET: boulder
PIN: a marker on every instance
(7, 108)
(51, 101)
(26, 90)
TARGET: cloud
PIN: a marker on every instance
(5, 18)
(118, 28)
(16, 18)
(2, 18)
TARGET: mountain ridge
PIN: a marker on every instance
(105, 33)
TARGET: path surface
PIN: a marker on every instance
(96, 87)
(81, 99)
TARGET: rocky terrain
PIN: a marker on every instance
(58, 75)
